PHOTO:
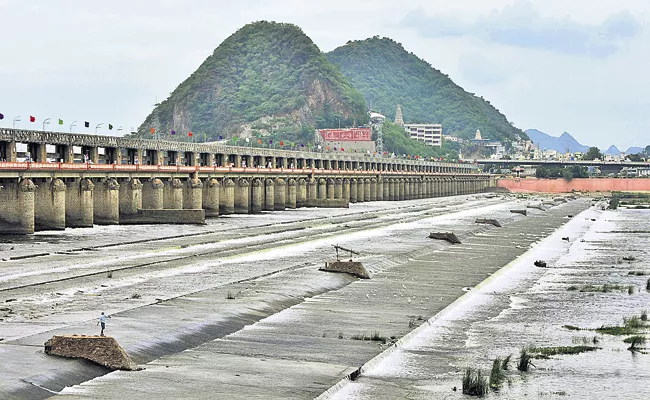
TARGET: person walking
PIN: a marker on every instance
(102, 321)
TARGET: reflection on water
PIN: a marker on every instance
(526, 306)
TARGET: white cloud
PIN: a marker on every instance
(521, 25)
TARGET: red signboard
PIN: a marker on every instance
(346, 135)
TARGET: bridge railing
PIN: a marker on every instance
(71, 167)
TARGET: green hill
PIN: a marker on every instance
(266, 79)
(388, 75)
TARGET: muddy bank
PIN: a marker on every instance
(585, 284)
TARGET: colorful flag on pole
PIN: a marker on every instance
(302, 145)
(152, 130)
(281, 143)
(259, 141)
(32, 118)
(220, 137)
(173, 132)
(60, 121)
(189, 134)
(2, 116)
(270, 141)
(293, 144)
(342, 149)
(110, 127)
(87, 124)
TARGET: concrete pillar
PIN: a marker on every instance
(152, 194)
(49, 205)
(106, 202)
(393, 190)
(211, 189)
(227, 197)
(330, 189)
(379, 194)
(401, 193)
(353, 190)
(79, 203)
(338, 188)
(269, 195)
(93, 155)
(131, 197)
(173, 194)
(312, 192)
(242, 191)
(418, 188)
(322, 189)
(16, 207)
(386, 189)
(372, 195)
(41, 152)
(193, 194)
(361, 186)
(301, 193)
(345, 189)
(366, 190)
(291, 194)
(454, 187)
(8, 151)
(411, 189)
(257, 196)
(379, 189)
(280, 195)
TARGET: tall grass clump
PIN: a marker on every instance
(497, 375)
(505, 363)
(525, 361)
(474, 383)
(644, 315)
(635, 342)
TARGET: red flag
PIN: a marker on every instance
(189, 134)
(342, 149)
(32, 119)
(259, 141)
(153, 130)
(281, 143)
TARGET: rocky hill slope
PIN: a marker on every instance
(266, 78)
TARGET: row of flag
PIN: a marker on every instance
(33, 119)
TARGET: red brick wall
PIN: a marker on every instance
(578, 184)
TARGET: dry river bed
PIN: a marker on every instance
(238, 308)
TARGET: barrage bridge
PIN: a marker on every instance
(51, 180)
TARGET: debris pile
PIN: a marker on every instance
(102, 350)
(448, 236)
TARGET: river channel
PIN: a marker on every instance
(238, 309)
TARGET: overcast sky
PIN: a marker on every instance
(556, 65)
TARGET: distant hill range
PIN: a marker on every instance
(388, 75)
(567, 142)
(270, 79)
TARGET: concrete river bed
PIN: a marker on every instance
(238, 309)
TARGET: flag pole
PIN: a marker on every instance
(72, 125)
(46, 121)
(17, 119)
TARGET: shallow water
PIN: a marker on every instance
(525, 305)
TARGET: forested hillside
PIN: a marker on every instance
(388, 75)
(267, 78)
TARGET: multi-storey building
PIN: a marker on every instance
(430, 134)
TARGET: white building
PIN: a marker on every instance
(430, 134)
